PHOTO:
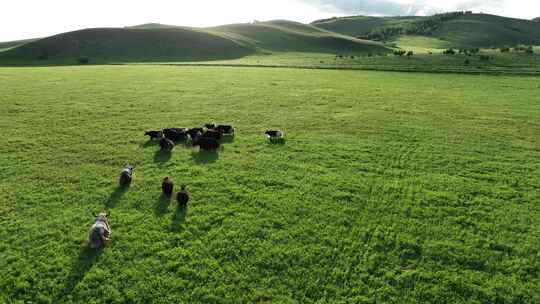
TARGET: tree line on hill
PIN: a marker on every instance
(424, 26)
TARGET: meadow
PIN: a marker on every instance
(390, 188)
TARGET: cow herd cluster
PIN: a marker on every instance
(207, 138)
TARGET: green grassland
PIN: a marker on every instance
(390, 188)
(517, 63)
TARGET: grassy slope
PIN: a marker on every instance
(155, 42)
(483, 30)
(475, 30)
(394, 188)
(286, 36)
(356, 26)
(11, 44)
(130, 45)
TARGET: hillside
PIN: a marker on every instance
(286, 36)
(360, 25)
(467, 29)
(12, 44)
(536, 19)
(124, 44)
(158, 42)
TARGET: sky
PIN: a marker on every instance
(21, 19)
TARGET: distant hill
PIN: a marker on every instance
(12, 44)
(360, 25)
(536, 19)
(287, 36)
(458, 29)
(158, 42)
(124, 44)
(152, 26)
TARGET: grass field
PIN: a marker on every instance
(390, 188)
(499, 63)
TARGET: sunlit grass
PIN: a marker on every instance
(390, 188)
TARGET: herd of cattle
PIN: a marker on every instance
(207, 138)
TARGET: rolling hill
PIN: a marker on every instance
(360, 25)
(457, 30)
(287, 36)
(11, 44)
(125, 44)
(158, 42)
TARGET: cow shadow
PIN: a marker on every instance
(205, 157)
(276, 142)
(162, 156)
(227, 139)
(179, 217)
(87, 258)
(162, 205)
(116, 196)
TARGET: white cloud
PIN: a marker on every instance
(35, 18)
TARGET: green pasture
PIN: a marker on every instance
(390, 187)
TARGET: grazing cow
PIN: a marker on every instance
(274, 134)
(206, 143)
(154, 134)
(194, 132)
(167, 186)
(175, 134)
(166, 144)
(100, 231)
(126, 176)
(217, 135)
(183, 196)
(210, 125)
(226, 130)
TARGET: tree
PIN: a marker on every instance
(449, 52)
(410, 54)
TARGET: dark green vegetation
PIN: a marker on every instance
(391, 187)
(156, 42)
(11, 44)
(459, 30)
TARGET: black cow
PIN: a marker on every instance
(126, 176)
(154, 134)
(226, 130)
(194, 132)
(175, 134)
(210, 125)
(211, 133)
(167, 186)
(183, 196)
(166, 144)
(274, 134)
(206, 143)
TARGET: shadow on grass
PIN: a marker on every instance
(162, 156)
(205, 157)
(162, 205)
(179, 217)
(227, 139)
(116, 196)
(277, 141)
(86, 259)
